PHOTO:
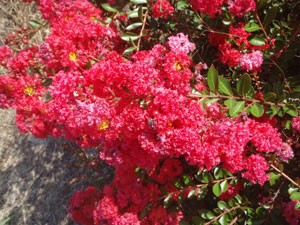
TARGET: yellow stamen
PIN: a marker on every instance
(29, 90)
(177, 65)
(72, 56)
(169, 123)
(104, 125)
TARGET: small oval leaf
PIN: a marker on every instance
(257, 110)
(270, 97)
(212, 78)
(108, 7)
(134, 25)
(244, 85)
(234, 111)
(225, 86)
(256, 40)
(295, 196)
(251, 27)
(139, 1)
(128, 36)
(217, 189)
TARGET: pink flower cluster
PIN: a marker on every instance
(231, 52)
(180, 43)
(296, 123)
(240, 7)
(212, 7)
(252, 61)
(291, 214)
(162, 8)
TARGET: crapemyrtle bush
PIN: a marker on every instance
(194, 103)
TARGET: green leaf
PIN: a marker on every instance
(292, 190)
(273, 178)
(295, 196)
(230, 103)
(212, 78)
(197, 220)
(291, 110)
(270, 97)
(181, 5)
(187, 180)
(225, 86)
(256, 40)
(251, 27)
(182, 222)
(191, 193)
(244, 85)
(134, 25)
(206, 214)
(270, 16)
(129, 50)
(226, 22)
(137, 13)
(222, 205)
(128, 36)
(262, 3)
(218, 173)
(140, 13)
(223, 220)
(275, 109)
(297, 206)
(257, 110)
(35, 23)
(238, 198)
(234, 111)
(167, 201)
(224, 186)
(202, 193)
(217, 189)
(139, 1)
(108, 7)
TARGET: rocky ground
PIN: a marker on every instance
(34, 180)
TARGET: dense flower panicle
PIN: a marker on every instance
(286, 152)
(228, 55)
(127, 219)
(240, 7)
(207, 6)
(180, 43)
(106, 209)
(162, 8)
(252, 61)
(5, 52)
(82, 205)
(296, 123)
(256, 169)
(291, 214)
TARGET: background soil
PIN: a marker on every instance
(34, 180)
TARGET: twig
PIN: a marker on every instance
(222, 214)
(141, 32)
(233, 221)
(237, 98)
(261, 25)
(196, 186)
(286, 176)
(288, 44)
